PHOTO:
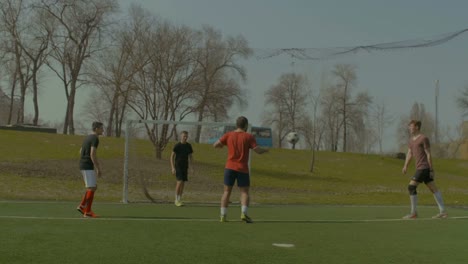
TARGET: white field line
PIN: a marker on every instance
(156, 219)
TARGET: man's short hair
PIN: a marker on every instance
(242, 122)
(416, 123)
(96, 125)
(184, 132)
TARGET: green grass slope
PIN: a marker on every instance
(40, 166)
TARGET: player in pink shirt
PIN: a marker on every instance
(419, 148)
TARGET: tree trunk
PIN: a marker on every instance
(20, 117)
(65, 121)
(110, 120)
(312, 161)
(71, 123)
(344, 117)
(35, 100)
(200, 119)
(12, 98)
(119, 121)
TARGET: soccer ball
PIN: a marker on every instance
(292, 137)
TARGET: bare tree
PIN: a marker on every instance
(116, 66)
(79, 24)
(276, 117)
(35, 47)
(289, 101)
(462, 101)
(361, 136)
(162, 89)
(218, 89)
(314, 126)
(381, 120)
(11, 74)
(331, 115)
(346, 76)
(12, 12)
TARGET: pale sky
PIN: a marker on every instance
(397, 77)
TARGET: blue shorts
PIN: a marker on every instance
(230, 176)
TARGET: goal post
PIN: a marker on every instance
(143, 137)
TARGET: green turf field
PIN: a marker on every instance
(348, 211)
(38, 232)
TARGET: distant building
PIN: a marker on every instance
(5, 109)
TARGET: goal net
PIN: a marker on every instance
(147, 169)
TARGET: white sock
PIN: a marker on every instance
(177, 197)
(244, 209)
(414, 203)
(439, 201)
(223, 210)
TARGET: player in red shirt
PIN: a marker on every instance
(239, 143)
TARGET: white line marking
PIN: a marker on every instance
(283, 245)
(216, 220)
(108, 218)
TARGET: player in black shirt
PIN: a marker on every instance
(181, 158)
(90, 168)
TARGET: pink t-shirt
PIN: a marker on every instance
(417, 147)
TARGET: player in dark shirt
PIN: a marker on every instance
(90, 168)
(181, 160)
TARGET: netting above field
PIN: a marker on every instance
(330, 53)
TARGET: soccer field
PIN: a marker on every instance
(53, 232)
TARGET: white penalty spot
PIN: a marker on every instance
(283, 245)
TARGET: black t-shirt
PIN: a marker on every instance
(182, 152)
(85, 161)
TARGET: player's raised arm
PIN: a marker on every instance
(218, 144)
(260, 150)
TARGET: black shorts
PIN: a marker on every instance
(181, 174)
(423, 175)
(231, 176)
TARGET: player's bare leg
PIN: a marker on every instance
(179, 191)
(225, 202)
(245, 200)
(413, 200)
(439, 200)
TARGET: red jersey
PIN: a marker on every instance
(239, 144)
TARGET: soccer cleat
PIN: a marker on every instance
(410, 216)
(81, 209)
(440, 216)
(90, 215)
(246, 218)
(223, 218)
(178, 203)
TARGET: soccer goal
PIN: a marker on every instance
(147, 171)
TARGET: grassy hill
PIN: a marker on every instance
(40, 166)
